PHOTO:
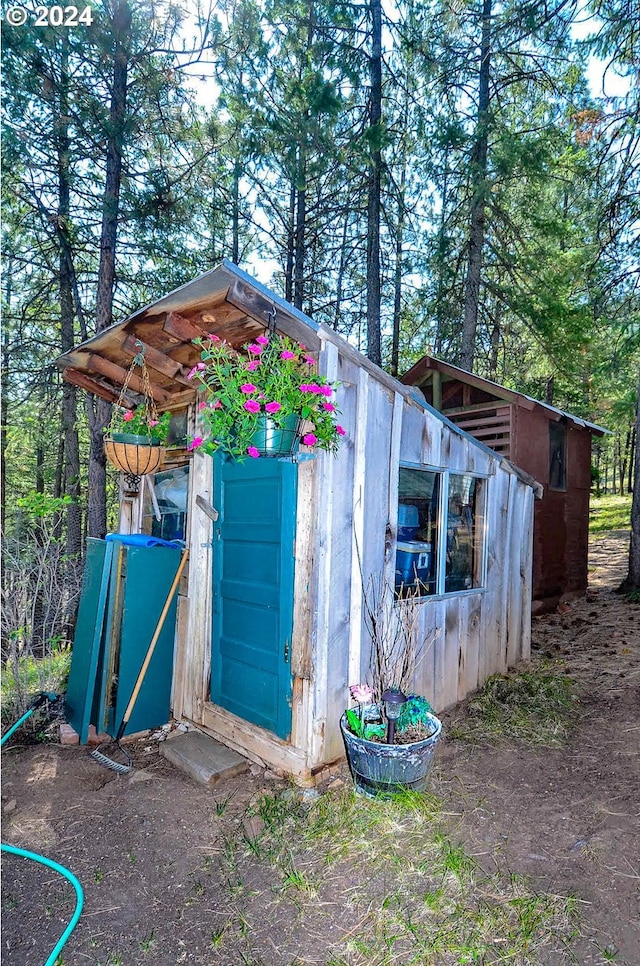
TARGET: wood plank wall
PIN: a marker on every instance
(346, 531)
(469, 636)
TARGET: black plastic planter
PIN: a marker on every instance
(383, 770)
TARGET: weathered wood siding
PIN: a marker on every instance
(345, 535)
(470, 635)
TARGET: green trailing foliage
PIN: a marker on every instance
(364, 729)
(415, 713)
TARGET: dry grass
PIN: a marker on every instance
(355, 882)
(535, 706)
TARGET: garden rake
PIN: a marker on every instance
(102, 754)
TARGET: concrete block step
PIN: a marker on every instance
(202, 757)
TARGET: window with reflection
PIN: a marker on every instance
(418, 515)
(440, 537)
(557, 456)
(165, 516)
(465, 533)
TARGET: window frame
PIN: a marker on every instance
(559, 427)
(443, 516)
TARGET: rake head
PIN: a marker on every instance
(122, 767)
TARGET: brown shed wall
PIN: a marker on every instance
(561, 525)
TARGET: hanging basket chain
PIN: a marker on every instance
(149, 402)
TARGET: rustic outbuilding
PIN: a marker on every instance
(271, 625)
(551, 445)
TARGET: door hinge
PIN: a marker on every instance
(286, 652)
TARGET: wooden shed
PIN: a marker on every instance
(552, 446)
(408, 495)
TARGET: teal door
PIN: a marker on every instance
(253, 570)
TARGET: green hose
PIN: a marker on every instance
(49, 863)
(68, 875)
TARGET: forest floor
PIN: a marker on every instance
(520, 853)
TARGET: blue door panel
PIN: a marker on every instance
(264, 688)
(253, 574)
(255, 506)
(265, 630)
(262, 595)
(253, 562)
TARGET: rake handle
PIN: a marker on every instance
(152, 645)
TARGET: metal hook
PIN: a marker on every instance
(271, 323)
(138, 359)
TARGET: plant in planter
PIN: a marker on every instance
(133, 441)
(390, 741)
(263, 399)
(145, 427)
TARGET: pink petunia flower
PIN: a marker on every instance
(255, 349)
(310, 439)
(195, 442)
(216, 404)
(303, 387)
(202, 405)
(253, 452)
(361, 693)
(252, 406)
(314, 387)
(287, 354)
(330, 408)
(273, 407)
(262, 340)
(153, 422)
(212, 337)
(197, 368)
(310, 360)
(248, 387)
(128, 416)
(253, 365)
(326, 390)
(340, 431)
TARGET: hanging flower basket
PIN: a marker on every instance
(271, 439)
(262, 400)
(137, 457)
(133, 443)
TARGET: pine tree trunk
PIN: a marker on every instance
(341, 268)
(235, 215)
(70, 444)
(549, 390)
(374, 341)
(98, 410)
(4, 400)
(397, 294)
(438, 337)
(478, 200)
(496, 333)
(632, 581)
(288, 273)
(300, 245)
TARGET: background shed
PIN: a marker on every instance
(551, 445)
(271, 628)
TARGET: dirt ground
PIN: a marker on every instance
(148, 847)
